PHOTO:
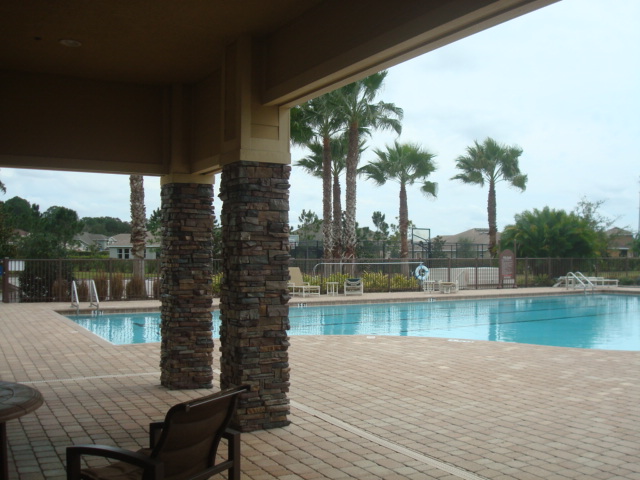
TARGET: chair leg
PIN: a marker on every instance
(233, 445)
(73, 465)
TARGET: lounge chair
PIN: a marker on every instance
(353, 286)
(298, 286)
(448, 287)
(184, 446)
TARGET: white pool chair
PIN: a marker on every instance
(353, 286)
(297, 286)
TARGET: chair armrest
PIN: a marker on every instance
(154, 469)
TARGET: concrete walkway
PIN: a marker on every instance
(361, 407)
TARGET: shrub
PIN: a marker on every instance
(156, 288)
(543, 281)
(136, 288)
(102, 285)
(117, 286)
(629, 281)
(37, 281)
(83, 290)
(216, 285)
(60, 291)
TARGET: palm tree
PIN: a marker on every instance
(313, 164)
(361, 116)
(138, 233)
(491, 162)
(551, 233)
(316, 121)
(405, 164)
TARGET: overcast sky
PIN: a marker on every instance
(563, 83)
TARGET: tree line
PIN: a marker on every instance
(51, 233)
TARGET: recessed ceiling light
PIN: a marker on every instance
(68, 42)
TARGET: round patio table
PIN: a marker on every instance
(16, 400)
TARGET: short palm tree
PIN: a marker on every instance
(404, 164)
(360, 115)
(491, 162)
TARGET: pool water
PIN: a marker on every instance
(608, 322)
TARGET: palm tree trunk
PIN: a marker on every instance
(327, 224)
(138, 233)
(492, 213)
(337, 217)
(404, 222)
(350, 204)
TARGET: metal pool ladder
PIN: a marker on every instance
(576, 280)
(94, 301)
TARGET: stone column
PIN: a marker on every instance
(254, 298)
(186, 273)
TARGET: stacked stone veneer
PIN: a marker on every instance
(254, 298)
(187, 264)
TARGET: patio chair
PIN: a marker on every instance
(183, 447)
(353, 286)
(298, 286)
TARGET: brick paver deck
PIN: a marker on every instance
(362, 407)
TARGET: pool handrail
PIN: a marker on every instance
(581, 280)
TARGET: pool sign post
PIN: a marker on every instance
(507, 268)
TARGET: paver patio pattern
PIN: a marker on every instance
(362, 407)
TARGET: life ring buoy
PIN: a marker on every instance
(421, 273)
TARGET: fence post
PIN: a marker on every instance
(5, 280)
(476, 274)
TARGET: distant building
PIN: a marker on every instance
(472, 243)
(620, 242)
(86, 241)
(121, 247)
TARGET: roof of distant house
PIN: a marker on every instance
(124, 240)
(473, 235)
(90, 238)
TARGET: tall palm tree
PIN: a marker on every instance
(138, 232)
(491, 162)
(313, 164)
(361, 116)
(316, 121)
(404, 164)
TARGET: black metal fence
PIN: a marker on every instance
(51, 280)
(31, 280)
(396, 275)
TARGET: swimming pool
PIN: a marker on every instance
(607, 322)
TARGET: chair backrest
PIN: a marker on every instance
(353, 282)
(296, 276)
(192, 431)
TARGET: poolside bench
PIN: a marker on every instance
(603, 282)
